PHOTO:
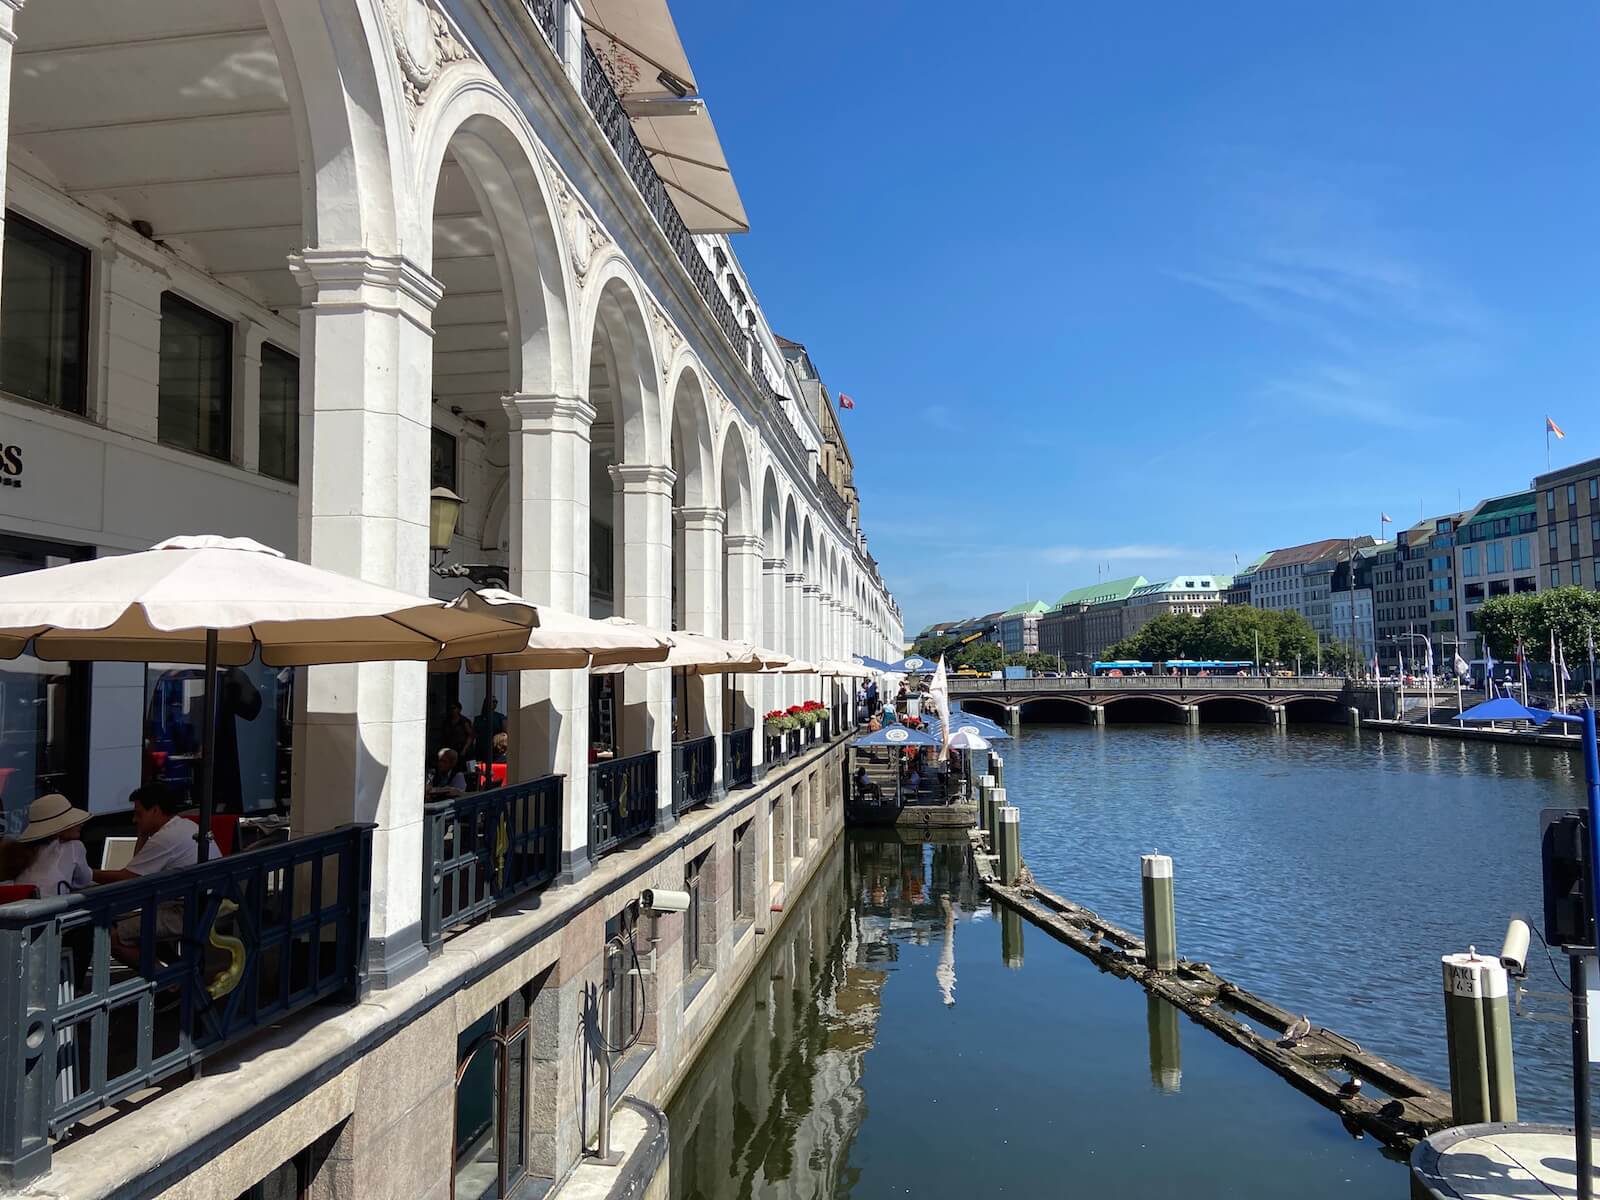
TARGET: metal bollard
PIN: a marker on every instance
(997, 801)
(1009, 820)
(1160, 919)
(1010, 938)
(1477, 1027)
(985, 786)
(998, 766)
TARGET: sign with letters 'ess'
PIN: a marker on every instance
(10, 465)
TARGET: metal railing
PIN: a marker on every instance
(776, 749)
(622, 801)
(793, 743)
(109, 992)
(543, 13)
(738, 758)
(831, 499)
(485, 848)
(694, 772)
(1154, 683)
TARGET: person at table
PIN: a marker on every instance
(166, 840)
(48, 854)
(487, 726)
(446, 782)
(864, 786)
(458, 732)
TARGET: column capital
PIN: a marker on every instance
(811, 589)
(704, 520)
(775, 565)
(746, 542)
(645, 478)
(551, 411)
(794, 579)
(358, 278)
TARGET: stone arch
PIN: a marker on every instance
(618, 357)
(476, 125)
(983, 707)
(1053, 709)
(694, 451)
(737, 492)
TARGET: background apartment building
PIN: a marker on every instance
(1019, 627)
(1497, 554)
(1189, 594)
(1569, 525)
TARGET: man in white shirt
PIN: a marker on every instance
(166, 842)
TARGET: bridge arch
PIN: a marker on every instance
(1234, 709)
(1142, 708)
(995, 710)
(1312, 709)
(1056, 710)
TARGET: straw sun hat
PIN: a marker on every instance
(49, 815)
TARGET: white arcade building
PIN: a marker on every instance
(290, 269)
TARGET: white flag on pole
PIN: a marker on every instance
(1463, 668)
(939, 693)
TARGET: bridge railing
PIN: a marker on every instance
(1152, 683)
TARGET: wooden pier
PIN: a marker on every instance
(1319, 1062)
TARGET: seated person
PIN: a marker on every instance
(49, 853)
(166, 840)
(500, 744)
(864, 785)
(446, 781)
(914, 780)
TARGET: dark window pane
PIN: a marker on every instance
(196, 366)
(443, 466)
(280, 414)
(44, 316)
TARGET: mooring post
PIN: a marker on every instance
(997, 801)
(1191, 714)
(1097, 714)
(1166, 1047)
(1160, 918)
(1477, 1029)
(1008, 820)
(1010, 937)
(985, 786)
(1014, 717)
(998, 766)
(1355, 717)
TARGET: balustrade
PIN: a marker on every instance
(738, 758)
(485, 848)
(694, 765)
(109, 992)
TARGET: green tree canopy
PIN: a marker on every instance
(1572, 613)
(1227, 631)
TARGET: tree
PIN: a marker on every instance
(1572, 613)
(932, 647)
(979, 656)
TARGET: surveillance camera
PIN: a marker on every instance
(1514, 952)
(662, 901)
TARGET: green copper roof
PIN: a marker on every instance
(1026, 608)
(1513, 505)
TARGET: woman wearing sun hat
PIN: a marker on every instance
(48, 853)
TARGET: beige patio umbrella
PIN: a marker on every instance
(220, 601)
(556, 639)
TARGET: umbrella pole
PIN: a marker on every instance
(486, 753)
(208, 747)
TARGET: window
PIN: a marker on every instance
(442, 460)
(693, 958)
(1469, 562)
(294, 1179)
(1555, 576)
(1552, 537)
(254, 733)
(1520, 585)
(1521, 555)
(491, 1099)
(1577, 574)
(1594, 489)
(196, 401)
(280, 414)
(1572, 533)
(1473, 593)
(44, 316)
(744, 892)
(1572, 494)
(1550, 500)
(1443, 604)
(1495, 557)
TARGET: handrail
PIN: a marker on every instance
(622, 801)
(485, 848)
(1154, 683)
(108, 992)
(543, 13)
(694, 772)
(738, 758)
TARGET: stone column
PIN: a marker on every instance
(702, 613)
(8, 41)
(366, 365)
(548, 721)
(794, 611)
(811, 685)
(742, 589)
(133, 276)
(643, 554)
(773, 573)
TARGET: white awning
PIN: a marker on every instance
(637, 43)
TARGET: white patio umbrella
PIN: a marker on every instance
(220, 601)
(558, 640)
(966, 739)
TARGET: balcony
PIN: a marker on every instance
(831, 499)
(622, 801)
(738, 758)
(694, 773)
(486, 848)
(119, 989)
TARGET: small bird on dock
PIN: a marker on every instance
(1350, 1087)
(1097, 937)
(1296, 1031)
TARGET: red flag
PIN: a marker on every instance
(845, 401)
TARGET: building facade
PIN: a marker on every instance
(1569, 525)
(1019, 627)
(286, 268)
(1190, 595)
(1300, 579)
(1104, 609)
(1497, 554)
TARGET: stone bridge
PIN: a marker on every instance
(1187, 700)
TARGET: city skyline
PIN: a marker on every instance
(1360, 264)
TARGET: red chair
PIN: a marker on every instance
(224, 830)
(11, 892)
(497, 772)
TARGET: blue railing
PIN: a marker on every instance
(738, 758)
(694, 773)
(485, 848)
(622, 801)
(106, 993)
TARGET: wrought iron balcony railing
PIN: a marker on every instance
(738, 758)
(109, 992)
(694, 767)
(622, 801)
(486, 848)
(543, 13)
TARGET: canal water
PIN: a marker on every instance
(899, 1038)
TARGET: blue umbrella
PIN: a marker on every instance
(877, 664)
(959, 720)
(896, 736)
(1503, 708)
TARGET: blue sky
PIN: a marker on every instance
(1145, 287)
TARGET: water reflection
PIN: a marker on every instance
(1166, 1050)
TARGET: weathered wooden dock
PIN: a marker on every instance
(1321, 1063)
